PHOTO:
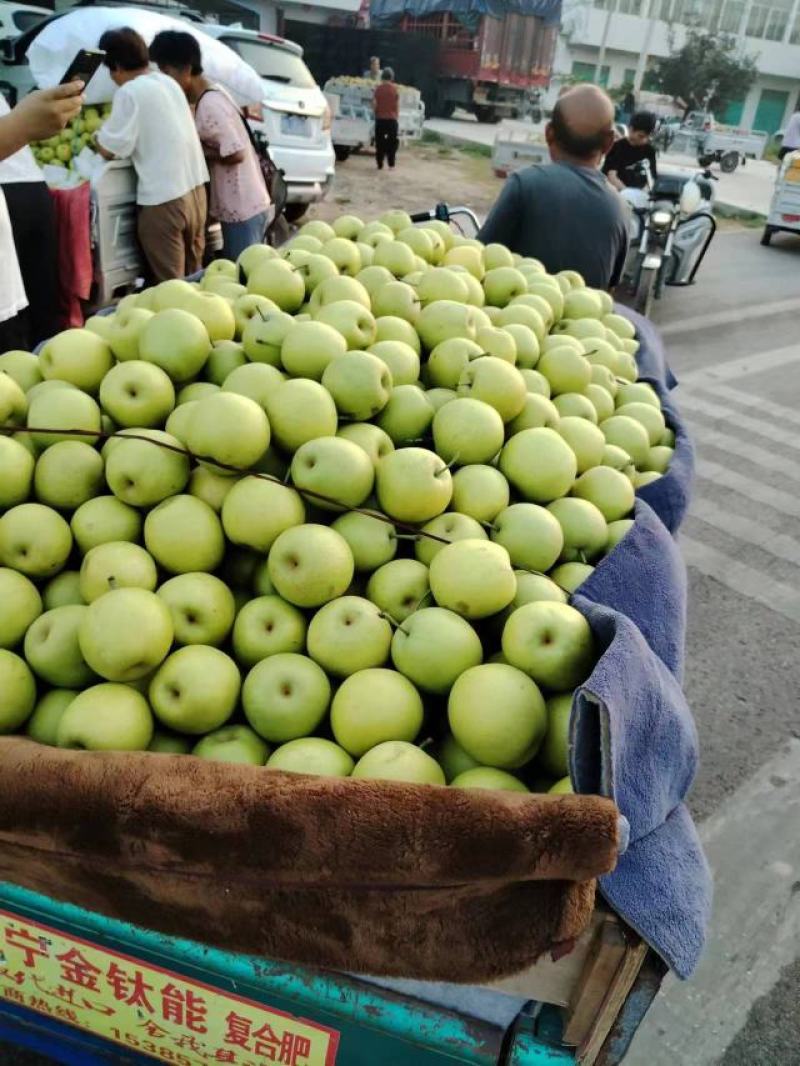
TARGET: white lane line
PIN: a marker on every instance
(726, 442)
(755, 363)
(754, 849)
(746, 580)
(750, 530)
(780, 412)
(731, 316)
(788, 438)
(785, 502)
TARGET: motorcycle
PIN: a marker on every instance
(672, 226)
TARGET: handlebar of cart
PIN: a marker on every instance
(444, 213)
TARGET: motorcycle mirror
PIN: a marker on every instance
(691, 197)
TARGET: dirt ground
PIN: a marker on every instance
(425, 175)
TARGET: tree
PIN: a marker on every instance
(708, 72)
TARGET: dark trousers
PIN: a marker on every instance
(785, 151)
(386, 141)
(30, 207)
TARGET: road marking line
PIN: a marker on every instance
(719, 413)
(774, 410)
(753, 846)
(784, 502)
(730, 316)
(726, 442)
(750, 530)
(746, 580)
(755, 363)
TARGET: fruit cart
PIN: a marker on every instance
(235, 906)
(181, 1002)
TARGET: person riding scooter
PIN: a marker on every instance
(622, 164)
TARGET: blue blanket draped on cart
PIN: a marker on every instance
(633, 737)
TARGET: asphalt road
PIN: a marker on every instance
(732, 341)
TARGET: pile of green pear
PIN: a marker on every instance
(79, 133)
(322, 511)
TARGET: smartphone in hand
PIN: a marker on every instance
(83, 66)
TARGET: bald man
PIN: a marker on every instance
(565, 213)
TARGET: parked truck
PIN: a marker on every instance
(494, 58)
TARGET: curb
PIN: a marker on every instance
(729, 210)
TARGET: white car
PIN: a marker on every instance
(294, 117)
(16, 18)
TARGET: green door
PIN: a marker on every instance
(732, 115)
(770, 111)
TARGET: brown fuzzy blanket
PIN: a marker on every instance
(372, 877)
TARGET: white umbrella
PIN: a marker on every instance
(51, 52)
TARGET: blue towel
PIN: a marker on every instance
(632, 735)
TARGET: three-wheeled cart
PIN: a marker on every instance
(784, 210)
(84, 990)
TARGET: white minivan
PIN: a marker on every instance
(294, 116)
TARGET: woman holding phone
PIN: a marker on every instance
(239, 197)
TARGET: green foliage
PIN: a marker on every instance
(708, 67)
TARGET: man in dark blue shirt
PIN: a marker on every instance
(565, 213)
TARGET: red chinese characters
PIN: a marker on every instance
(183, 1007)
(129, 988)
(288, 1049)
(30, 945)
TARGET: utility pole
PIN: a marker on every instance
(641, 65)
(601, 56)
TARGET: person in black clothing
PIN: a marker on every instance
(621, 165)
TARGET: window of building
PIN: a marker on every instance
(624, 7)
(629, 75)
(587, 71)
(769, 19)
(794, 36)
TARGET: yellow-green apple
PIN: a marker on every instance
(554, 753)
(285, 696)
(21, 605)
(17, 691)
(168, 294)
(551, 642)
(195, 689)
(497, 714)
(373, 277)
(601, 375)
(300, 410)
(13, 404)
(140, 472)
(267, 625)
(442, 284)
(348, 226)
(400, 358)
(584, 528)
(608, 489)
(225, 357)
(333, 472)
(576, 405)
(352, 320)
(233, 743)
(539, 464)
(166, 743)
(443, 529)
(332, 290)
(52, 647)
(310, 565)
(444, 319)
(496, 383)
(264, 334)
(250, 307)
(116, 564)
(497, 342)
(532, 587)
(184, 534)
(602, 401)
(536, 383)
(452, 758)
(433, 646)
(102, 519)
(373, 706)
(628, 434)
(396, 299)
(42, 726)
(467, 431)
(62, 590)
(314, 269)
(531, 535)
(397, 760)
(638, 392)
(77, 356)
(449, 360)
(527, 344)
(201, 606)
(488, 777)
(106, 717)
(250, 258)
(137, 393)
(126, 634)
(420, 242)
(570, 576)
(23, 367)
(480, 492)
(225, 268)
(584, 438)
(257, 510)
(407, 415)
(347, 635)
(360, 383)
(565, 369)
(645, 477)
(63, 408)
(658, 459)
(34, 539)
(473, 578)
(648, 415)
(396, 256)
(317, 228)
(393, 328)
(311, 755)
(280, 282)
(616, 531)
(125, 330)
(17, 465)
(215, 311)
(537, 411)
(501, 284)
(309, 347)
(228, 429)
(372, 540)
(177, 341)
(210, 487)
(413, 485)
(399, 587)
(195, 390)
(374, 441)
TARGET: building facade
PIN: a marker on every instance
(628, 36)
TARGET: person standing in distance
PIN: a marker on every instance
(239, 196)
(791, 137)
(386, 104)
(565, 213)
(151, 124)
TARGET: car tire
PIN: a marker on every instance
(766, 236)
